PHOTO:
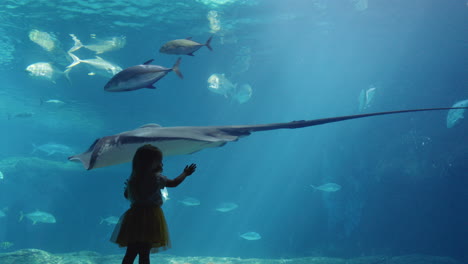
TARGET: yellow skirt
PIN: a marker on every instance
(142, 224)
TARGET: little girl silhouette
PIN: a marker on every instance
(142, 228)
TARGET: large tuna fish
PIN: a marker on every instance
(140, 76)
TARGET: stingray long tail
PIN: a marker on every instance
(316, 122)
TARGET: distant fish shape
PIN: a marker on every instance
(120, 148)
(46, 40)
(184, 46)
(21, 115)
(6, 244)
(1, 178)
(53, 148)
(226, 207)
(140, 76)
(39, 217)
(454, 116)
(251, 236)
(190, 201)
(327, 187)
(111, 220)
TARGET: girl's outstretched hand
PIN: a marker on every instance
(190, 169)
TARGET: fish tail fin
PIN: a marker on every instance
(21, 216)
(67, 75)
(208, 43)
(175, 68)
(315, 188)
(102, 220)
(75, 62)
(78, 45)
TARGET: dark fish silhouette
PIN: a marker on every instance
(120, 148)
(184, 46)
(140, 76)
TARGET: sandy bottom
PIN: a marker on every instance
(36, 256)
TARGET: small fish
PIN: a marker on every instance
(21, 115)
(91, 73)
(189, 201)
(3, 212)
(53, 148)
(39, 217)
(101, 66)
(327, 187)
(226, 207)
(111, 220)
(251, 236)
(100, 46)
(6, 245)
(140, 76)
(46, 40)
(1, 177)
(218, 83)
(45, 71)
(366, 97)
(165, 194)
(454, 116)
(52, 102)
(184, 46)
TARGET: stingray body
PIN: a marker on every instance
(120, 148)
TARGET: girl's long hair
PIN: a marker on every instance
(141, 183)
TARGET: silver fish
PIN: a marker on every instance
(218, 83)
(46, 71)
(251, 236)
(99, 65)
(184, 46)
(190, 201)
(100, 46)
(226, 207)
(327, 187)
(39, 217)
(140, 76)
(52, 102)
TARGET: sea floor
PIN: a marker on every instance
(36, 256)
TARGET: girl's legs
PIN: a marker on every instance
(130, 255)
(144, 253)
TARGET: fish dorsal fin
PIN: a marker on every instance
(148, 62)
(99, 58)
(150, 125)
(189, 38)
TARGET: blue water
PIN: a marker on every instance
(403, 177)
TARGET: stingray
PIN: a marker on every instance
(120, 148)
